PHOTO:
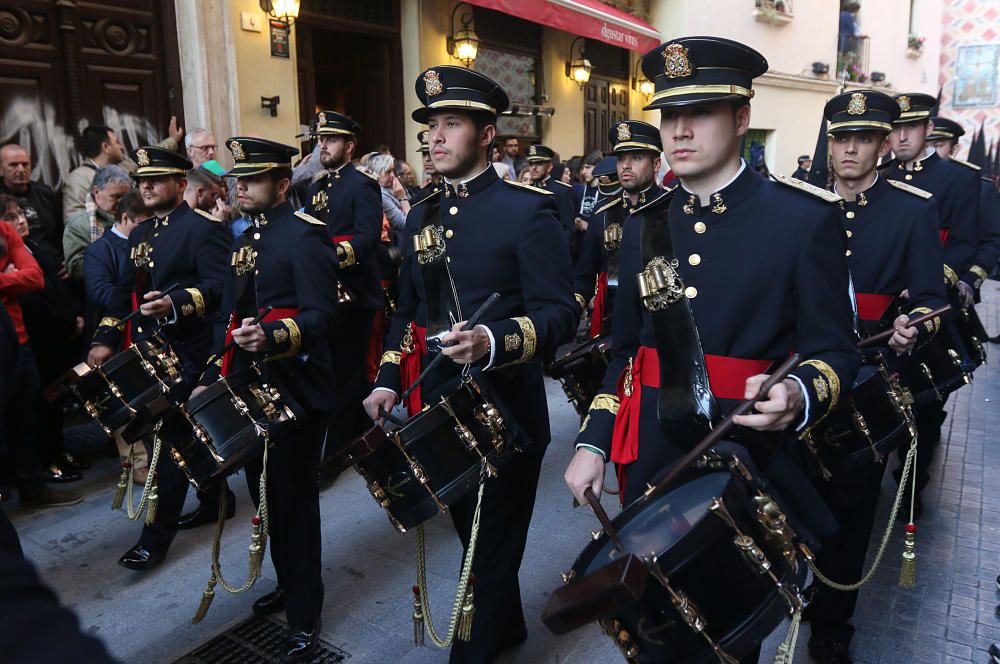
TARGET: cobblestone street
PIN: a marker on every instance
(947, 618)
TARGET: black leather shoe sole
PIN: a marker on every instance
(140, 559)
(270, 603)
(299, 650)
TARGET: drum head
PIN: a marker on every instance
(663, 521)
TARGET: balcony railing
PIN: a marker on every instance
(852, 58)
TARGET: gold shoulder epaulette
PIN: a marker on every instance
(563, 183)
(208, 216)
(967, 164)
(308, 218)
(365, 171)
(910, 189)
(807, 188)
(663, 193)
(608, 206)
(537, 190)
(427, 197)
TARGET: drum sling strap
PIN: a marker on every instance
(614, 223)
(140, 256)
(686, 405)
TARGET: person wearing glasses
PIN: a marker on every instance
(200, 144)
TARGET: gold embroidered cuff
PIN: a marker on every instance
(109, 321)
(980, 275)
(608, 402)
(950, 278)
(932, 325)
(291, 334)
(527, 341)
(198, 300)
(391, 357)
(579, 300)
(345, 252)
(827, 384)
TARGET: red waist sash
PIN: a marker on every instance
(410, 365)
(943, 235)
(600, 304)
(727, 377)
(871, 307)
(342, 238)
(274, 314)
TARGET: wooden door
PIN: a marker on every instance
(65, 65)
(605, 104)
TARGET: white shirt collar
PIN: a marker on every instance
(119, 233)
(743, 165)
(860, 192)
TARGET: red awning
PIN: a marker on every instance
(587, 18)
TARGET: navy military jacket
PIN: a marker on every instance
(988, 251)
(956, 190)
(423, 192)
(766, 274)
(593, 258)
(503, 237)
(565, 202)
(186, 247)
(892, 247)
(294, 269)
(350, 203)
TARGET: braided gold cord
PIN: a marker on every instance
(147, 488)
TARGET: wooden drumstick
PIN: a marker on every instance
(232, 342)
(386, 415)
(719, 432)
(887, 334)
(602, 516)
(163, 293)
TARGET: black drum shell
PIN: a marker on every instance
(136, 386)
(581, 371)
(945, 369)
(972, 333)
(740, 606)
(839, 441)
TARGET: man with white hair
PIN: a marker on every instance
(110, 183)
(200, 145)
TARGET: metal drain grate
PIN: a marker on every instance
(256, 641)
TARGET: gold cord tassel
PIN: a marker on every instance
(257, 546)
(206, 601)
(418, 618)
(908, 570)
(154, 500)
(123, 481)
(464, 628)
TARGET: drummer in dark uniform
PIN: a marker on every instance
(590, 273)
(350, 203)
(636, 146)
(435, 183)
(944, 137)
(540, 167)
(290, 266)
(955, 188)
(754, 270)
(176, 245)
(498, 236)
(891, 247)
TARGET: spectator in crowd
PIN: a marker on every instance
(110, 183)
(200, 145)
(502, 171)
(101, 147)
(395, 203)
(20, 275)
(524, 175)
(573, 168)
(496, 153)
(406, 176)
(206, 191)
(588, 193)
(38, 201)
(431, 176)
(515, 162)
(559, 171)
(805, 165)
(848, 26)
(54, 323)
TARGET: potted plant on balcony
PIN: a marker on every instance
(915, 45)
(774, 12)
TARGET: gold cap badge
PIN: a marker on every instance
(904, 103)
(432, 83)
(532, 151)
(237, 150)
(423, 136)
(624, 133)
(142, 157)
(321, 119)
(857, 105)
(676, 62)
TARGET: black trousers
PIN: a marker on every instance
(349, 347)
(508, 502)
(171, 487)
(9, 541)
(293, 508)
(852, 497)
(20, 421)
(929, 419)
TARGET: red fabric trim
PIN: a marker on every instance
(274, 314)
(600, 304)
(410, 365)
(342, 238)
(943, 236)
(871, 307)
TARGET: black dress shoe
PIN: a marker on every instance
(206, 514)
(300, 644)
(67, 460)
(830, 652)
(273, 602)
(994, 651)
(141, 559)
(58, 475)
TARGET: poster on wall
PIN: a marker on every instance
(515, 74)
(976, 75)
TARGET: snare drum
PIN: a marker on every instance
(724, 571)
(113, 392)
(973, 334)
(227, 426)
(865, 427)
(439, 456)
(581, 372)
(934, 371)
